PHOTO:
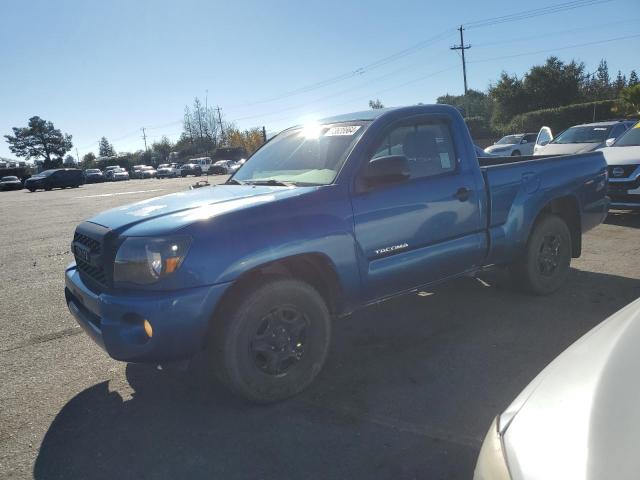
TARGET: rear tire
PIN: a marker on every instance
(270, 344)
(545, 266)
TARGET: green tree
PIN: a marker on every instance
(631, 98)
(474, 103)
(633, 79)
(509, 98)
(89, 161)
(376, 104)
(39, 140)
(105, 149)
(553, 84)
(162, 149)
(619, 83)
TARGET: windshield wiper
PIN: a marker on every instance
(233, 181)
(271, 183)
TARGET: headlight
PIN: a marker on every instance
(492, 464)
(143, 260)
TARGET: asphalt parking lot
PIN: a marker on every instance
(408, 391)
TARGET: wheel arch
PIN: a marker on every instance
(568, 209)
(316, 269)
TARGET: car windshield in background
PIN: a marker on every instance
(509, 140)
(631, 138)
(93, 170)
(584, 134)
(309, 155)
(8, 179)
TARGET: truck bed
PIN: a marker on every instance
(518, 187)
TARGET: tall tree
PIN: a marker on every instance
(633, 79)
(89, 160)
(376, 104)
(249, 140)
(40, 139)
(162, 149)
(619, 83)
(474, 103)
(105, 149)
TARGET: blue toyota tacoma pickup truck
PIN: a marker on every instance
(323, 219)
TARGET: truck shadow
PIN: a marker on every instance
(408, 391)
(623, 218)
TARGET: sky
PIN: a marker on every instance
(110, 67)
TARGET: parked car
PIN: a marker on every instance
(513, 145)
(322, 220)
(109, 171)
(119, 174)
(582, 138)
(190, 169)
(93, 175)
(56, 178)
(236, 165)
(204, 163)
(147, 171)
(579, 417)
(221, 167)
(10, 183)
(623, 160)
(135, 171)
(168, 170)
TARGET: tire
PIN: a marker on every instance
(545, 266)
(32, 190)
(515, 153)
(47, 189)
(266, 367)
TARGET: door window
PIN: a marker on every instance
(427, 146)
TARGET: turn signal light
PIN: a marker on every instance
(148, 328)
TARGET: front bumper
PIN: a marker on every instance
(625, 195)
(180, 319)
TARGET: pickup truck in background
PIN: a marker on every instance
(322, 220)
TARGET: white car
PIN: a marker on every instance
(204, 163)
(582, 138)
(623, 160)
(513, 145)
(579, 418)
(120, 174)
(168, 170)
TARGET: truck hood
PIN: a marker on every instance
(176, 210)
(579, 417)
(621, 155)
(567, 148)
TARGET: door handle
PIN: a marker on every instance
(463, 194)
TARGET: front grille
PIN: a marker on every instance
(92, 272)
(627, 170)
(94, 245)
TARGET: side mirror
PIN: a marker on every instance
(610, 142)
(524, 140)
(387, 170)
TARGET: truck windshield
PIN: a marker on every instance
(309, 155)
(585, 134)
(631, 138)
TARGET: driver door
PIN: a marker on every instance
(422, 229)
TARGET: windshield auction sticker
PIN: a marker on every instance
(347, 130)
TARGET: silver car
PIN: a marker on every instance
(579, 418)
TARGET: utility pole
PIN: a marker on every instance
(220, 120)
(462, 47)
(144, 135)
(77, 155)
(264, 134)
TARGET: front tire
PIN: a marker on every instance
(270, 344)
(545, 266)
(515, 153)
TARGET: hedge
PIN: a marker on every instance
(561, 118)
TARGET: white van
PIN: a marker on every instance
(204, 162)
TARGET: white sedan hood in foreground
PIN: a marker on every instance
(566, 148)
(580, 417)
(621, 155)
